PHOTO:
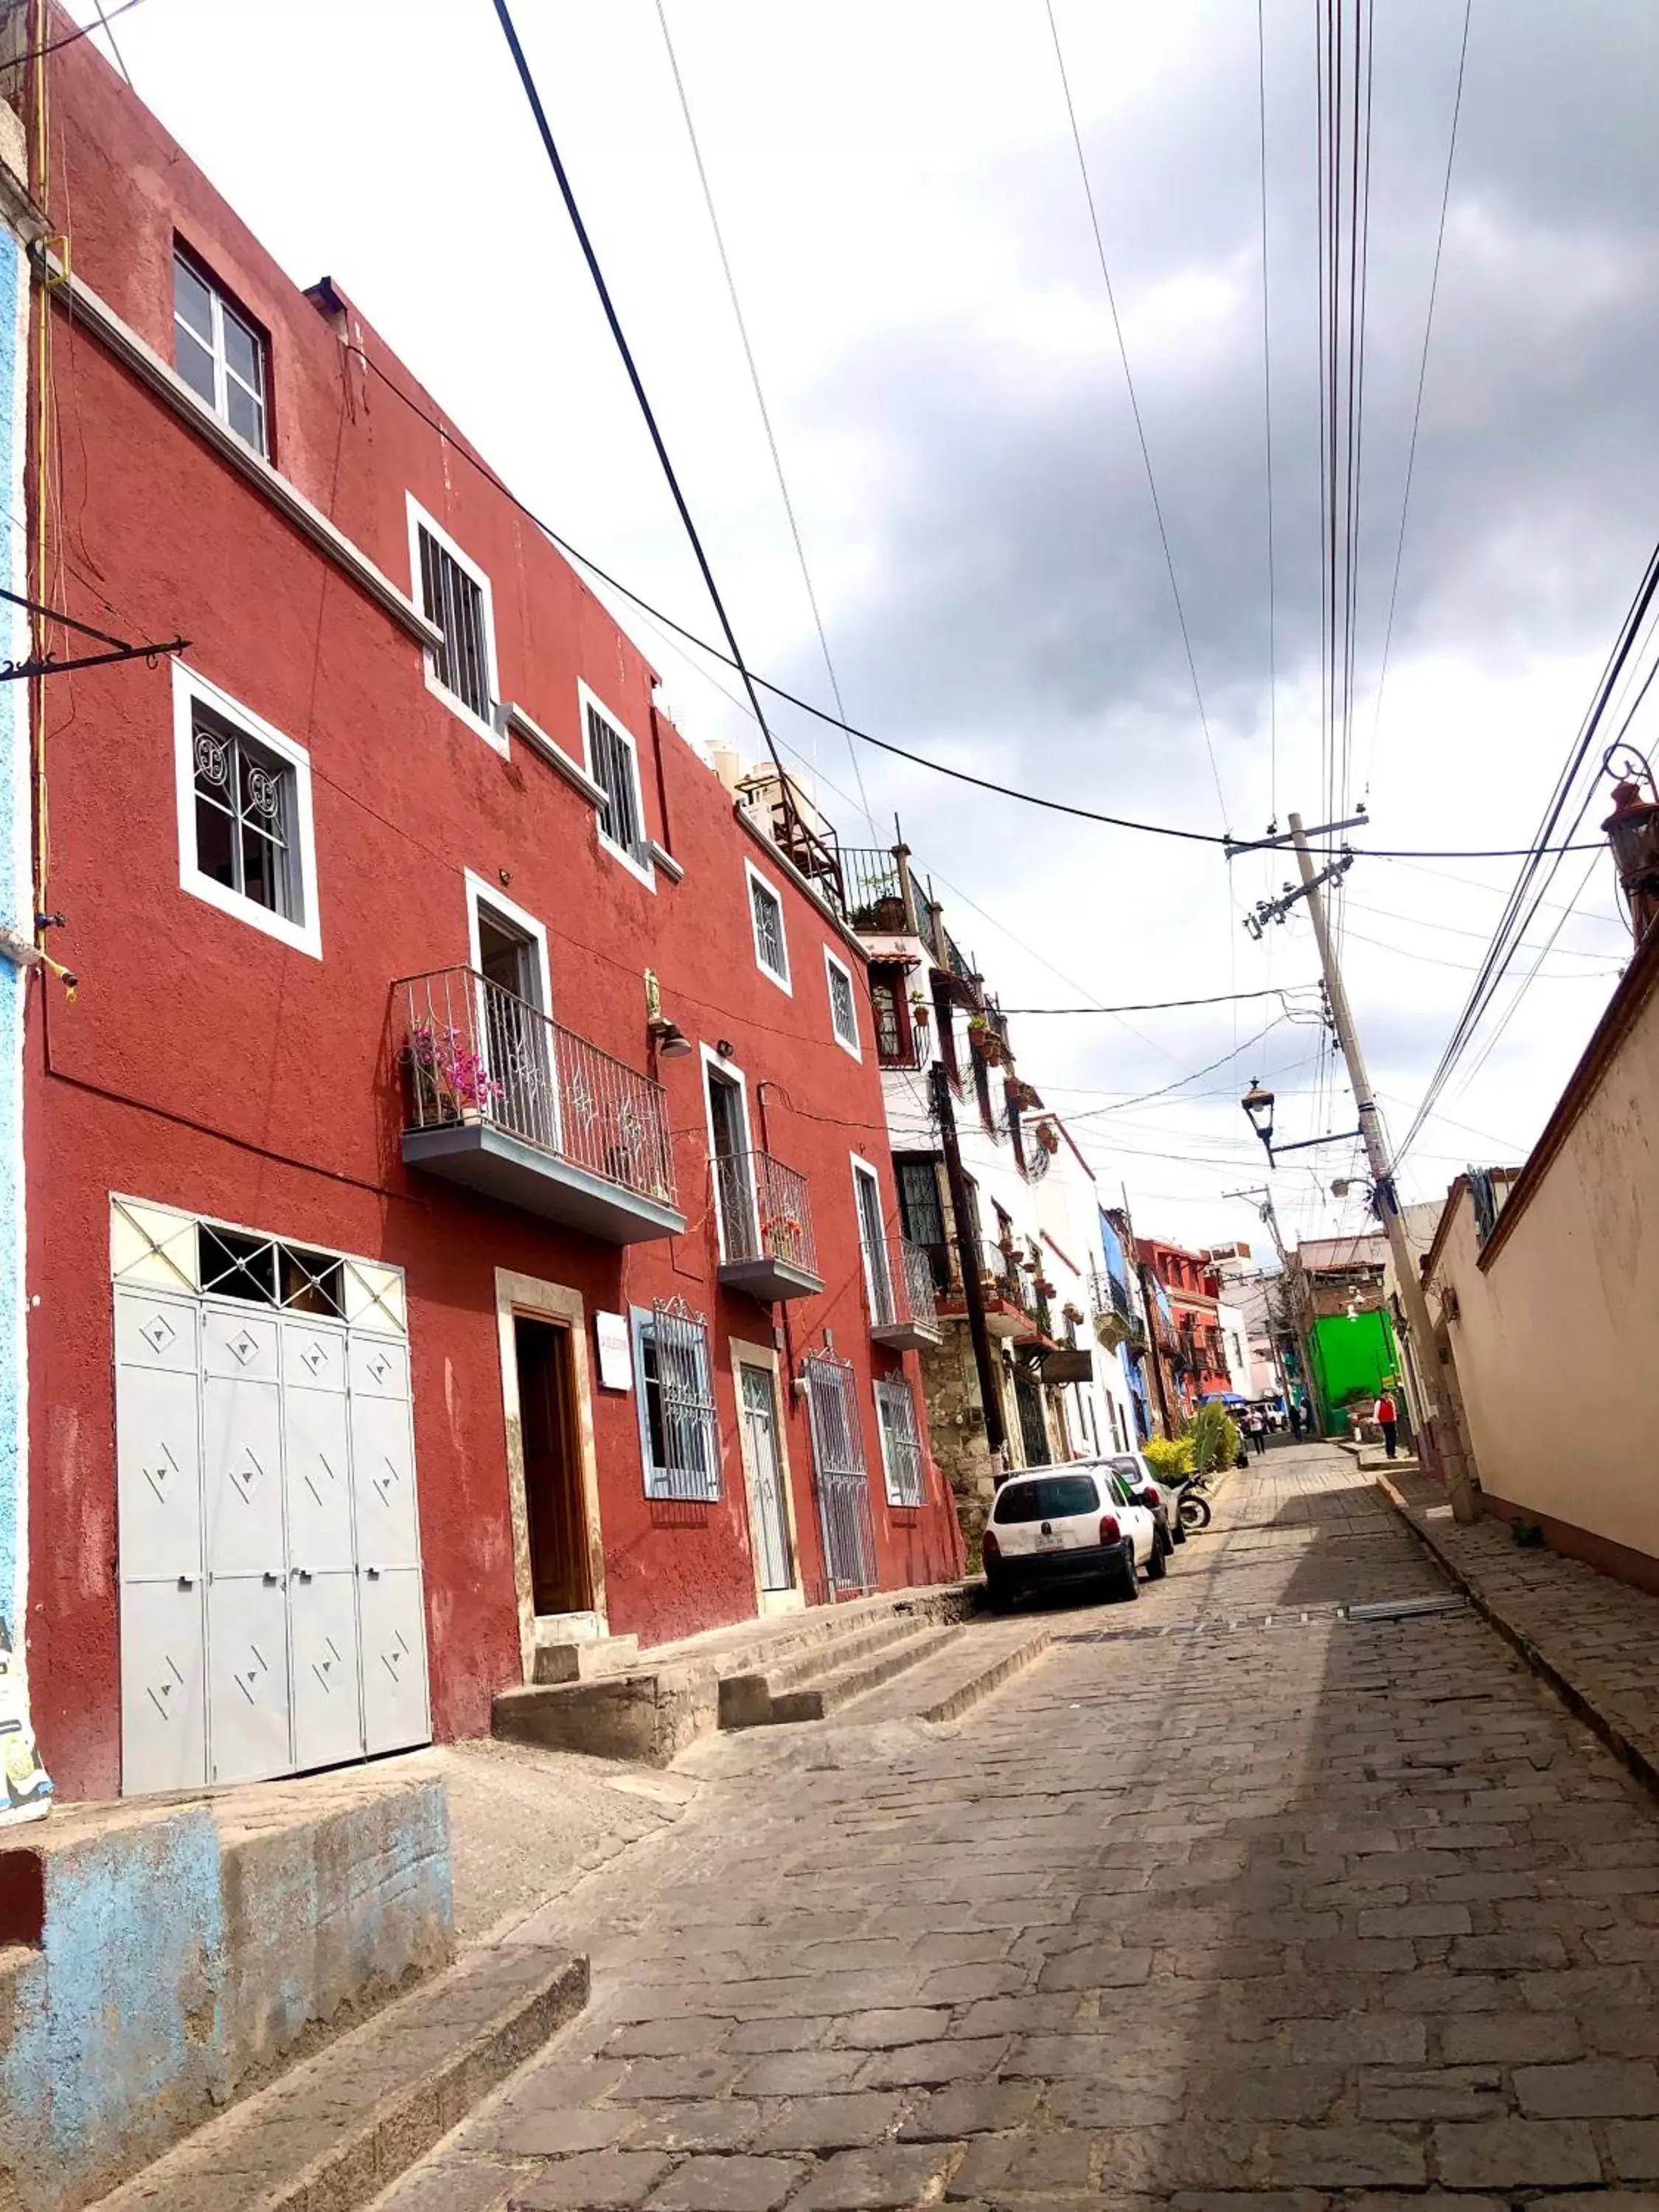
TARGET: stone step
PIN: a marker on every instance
(839, 1684)
(980, 1661)
(335, 2131)
(747, 1697)
(561, 1658)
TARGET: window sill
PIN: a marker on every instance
(663, 859)
(298, 936)
(646, 874)
(515, 721)
(772, 976)
(495, 737)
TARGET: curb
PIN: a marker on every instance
(220, 2166)
(1601, 1723)
(967, 1694)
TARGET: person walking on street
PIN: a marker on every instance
(1296, 1422)
(1256, 1427)
(1388, 1419)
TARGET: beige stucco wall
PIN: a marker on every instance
(1557, 1344)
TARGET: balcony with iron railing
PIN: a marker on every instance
(765, 1225)
(1007, 1294)
(879, 901)
(903, 1310)
(507, 1102)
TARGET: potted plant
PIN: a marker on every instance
(452, 1082)
(1072, 1313)
(1048, 1136)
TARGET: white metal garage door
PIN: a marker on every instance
(271, 1609)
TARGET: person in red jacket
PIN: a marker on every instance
(1388, 1419)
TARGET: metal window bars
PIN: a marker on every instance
(901, 1443)
(454, 601)
(913, 1284)
(875, 891)
(843, 1485)
(684, 1438)
(616, 769)
(768, 909)
(477, 1052)
(763, 1209)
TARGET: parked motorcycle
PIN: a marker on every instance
(1193, 1507)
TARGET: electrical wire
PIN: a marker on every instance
(1422, 380)
(56, 46)
(1134, 403)
(1160, 1005)
(741, 321)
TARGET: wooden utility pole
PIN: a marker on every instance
(962, 1214)
(1437, 1409)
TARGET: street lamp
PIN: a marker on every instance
(1632, 830)
(1258, 1105)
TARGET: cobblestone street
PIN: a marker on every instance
(1287, 1912)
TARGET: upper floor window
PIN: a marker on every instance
(244, 797)
(218, 353)
(900, 1443)
(844, 1003)
(613, 762)
(766, 914)
(454, 595)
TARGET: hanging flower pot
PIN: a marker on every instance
(1048, 1136)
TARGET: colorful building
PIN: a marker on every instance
(1193, 1349)
(460, 1210)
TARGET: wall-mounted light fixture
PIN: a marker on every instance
(669, 1039)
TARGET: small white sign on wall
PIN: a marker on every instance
(615, 1360)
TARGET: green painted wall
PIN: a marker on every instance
(1351, 1355)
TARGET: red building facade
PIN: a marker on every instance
(1194, 1353)
(458, 1195)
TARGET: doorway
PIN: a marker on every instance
(516, 1037)
(774, 1552)
(555, 1507)
(734, 1172)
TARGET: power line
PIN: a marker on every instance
(741, 321)
(504, 16)
(1134, 403)
(752, 678)
(1160, 1006)
(1422, 379)
(106, 17)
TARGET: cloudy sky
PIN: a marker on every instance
(902, 209)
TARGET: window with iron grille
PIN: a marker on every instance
(843, 1487)
(245, 805)
(455, 597)
(243, 796)
(891, 1016)
(900, 1443)
(614, 765)
(766, 912)
(675, 1377)
(843, 1004)
(218, 353)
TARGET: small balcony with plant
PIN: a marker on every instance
(903, 1308)
(506, 1101)
(764, 1220)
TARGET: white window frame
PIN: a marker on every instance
(882, 1311)
(223, 374)
(751, 877)
(658, 1481)
(708, 1060)
(419, 519)
(832, 968)
(481, 892)
(304, 935)
(585, 697)
(907, 1504)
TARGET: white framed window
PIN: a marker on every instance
(766, 919)
(674, 1379)
(843, 1004)
(454, 592)
(613, 759)
(218, 353)
(247, 843)
(873, 1243)
(900, 1443)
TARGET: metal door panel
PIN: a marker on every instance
(155, 1331)
(328, 1720)
(247, 1678)
(163, 1687)
(313, 1356)
(158, 1473)
(392, 1611)
(242, 1476)
(317, 1479)
(239, 1341)
(759, 1408)
(379, 1366)
(383, 1483)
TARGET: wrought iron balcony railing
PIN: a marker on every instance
(905, 1309)
(876, 900)
(767, 1243)
(476, 1055)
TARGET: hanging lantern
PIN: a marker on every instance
(1632, 830)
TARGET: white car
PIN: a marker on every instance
(1059, 1525)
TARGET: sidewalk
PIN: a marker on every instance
(1595, 1641)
